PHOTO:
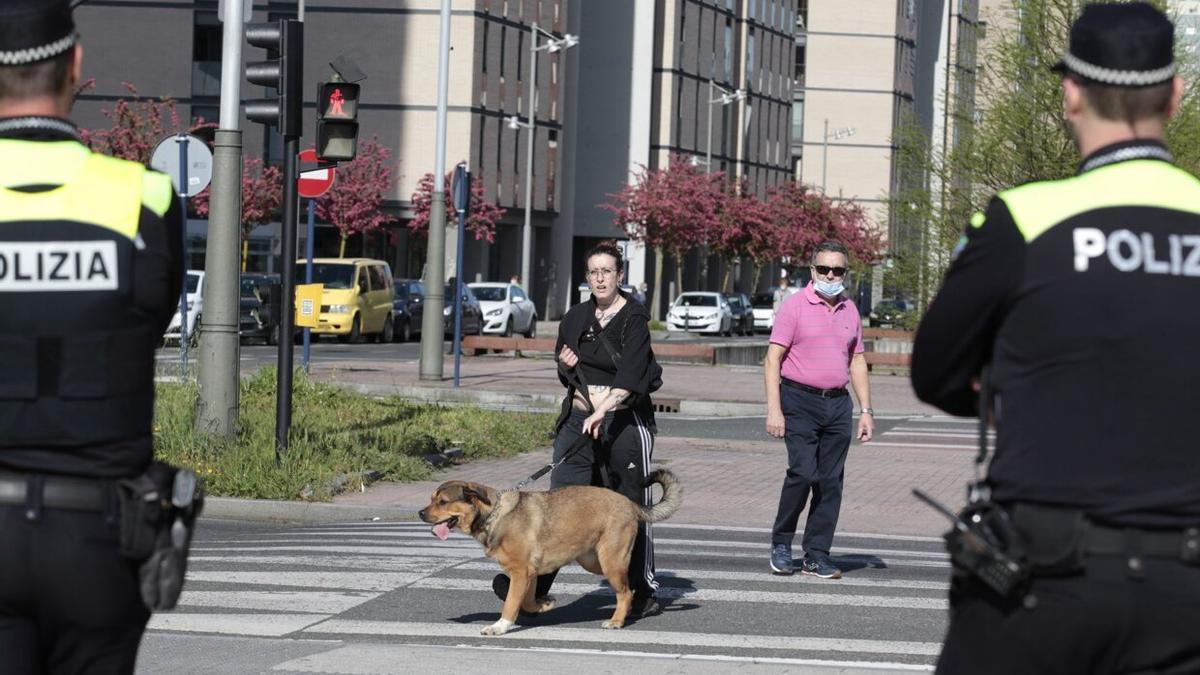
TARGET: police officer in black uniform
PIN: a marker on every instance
(1083, 294)
(90, 271)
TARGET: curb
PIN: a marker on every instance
(273, 511)
(546, 402)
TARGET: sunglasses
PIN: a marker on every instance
(826, 269)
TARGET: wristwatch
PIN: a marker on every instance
(868, 411)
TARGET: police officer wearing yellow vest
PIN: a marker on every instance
(1084, 296)
(90, 271)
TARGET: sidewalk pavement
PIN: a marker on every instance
(728, 483)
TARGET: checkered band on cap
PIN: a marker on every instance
(21, 57)
(1123, 78)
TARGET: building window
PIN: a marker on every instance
(206, 54)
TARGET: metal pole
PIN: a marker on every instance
(708, 147)
(825, 155)
(458, 296)
(287, 278)
(527, 230)
(435, 258)
(181, 140)
(217, 411)
(308, 255)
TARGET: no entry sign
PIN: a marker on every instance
(313, 181)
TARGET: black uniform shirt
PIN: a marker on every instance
(1084, 294)
(104, 431)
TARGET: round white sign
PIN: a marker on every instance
(199, 162)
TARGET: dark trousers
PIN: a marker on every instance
(1097, 622)
(817, 435)
(69, 600)
(626, 458)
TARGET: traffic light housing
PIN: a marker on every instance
(337, 121)
(285, 38)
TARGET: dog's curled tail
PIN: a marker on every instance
(671, 499)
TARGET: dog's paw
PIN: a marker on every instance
(612, 624)
(499, 628)
(545, 604)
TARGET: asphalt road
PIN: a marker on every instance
(389, 598)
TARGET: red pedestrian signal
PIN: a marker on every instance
(337, 121)
(338, 101)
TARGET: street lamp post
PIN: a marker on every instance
(553, 44)
(724, 99)
(844, 132)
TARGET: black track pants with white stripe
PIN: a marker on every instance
(626, 454)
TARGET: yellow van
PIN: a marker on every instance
(356, 300)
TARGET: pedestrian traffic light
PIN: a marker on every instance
(283, 40)
(337, 121)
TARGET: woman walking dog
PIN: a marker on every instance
(606, 364)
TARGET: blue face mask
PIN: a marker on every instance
(828, 289)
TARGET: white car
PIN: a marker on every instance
(506, 309)
(700, 312)
(764, 311)
(195, 306)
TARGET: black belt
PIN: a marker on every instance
(57, 492)
(1174, 544)
(823, 393)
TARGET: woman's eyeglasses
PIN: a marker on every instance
(826, 269)
(600, 273)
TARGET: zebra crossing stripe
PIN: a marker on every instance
(373, 563)
(711, 594)
(385, 658)
(628, 637)
(378, 581)
(258, 625)
(470, 553)
(752, 577)
(276, 601)
(663, 542)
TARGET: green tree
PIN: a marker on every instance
(1012, 133)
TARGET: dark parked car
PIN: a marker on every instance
(743, 314)
(472, 314)
(255, 319)
(407, 308)
(893, 312)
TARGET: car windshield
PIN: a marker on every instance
(734, 300)
(763, 300)
(493, 293)
(332, 275)
(401, 291)
(193, 282)
(696, 301)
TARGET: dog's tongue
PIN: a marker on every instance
(441, 531)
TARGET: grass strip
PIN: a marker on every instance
(339, 439)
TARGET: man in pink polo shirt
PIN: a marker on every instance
(816, 350)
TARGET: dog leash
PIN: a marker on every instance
(579, 444)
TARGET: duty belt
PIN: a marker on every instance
(57, 492)
(823, 393)
(1173, 544)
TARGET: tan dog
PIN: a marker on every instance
(532, 533)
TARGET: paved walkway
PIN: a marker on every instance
(726, 482)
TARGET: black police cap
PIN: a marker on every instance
(1128, 44)
(35, 30)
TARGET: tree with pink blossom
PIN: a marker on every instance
(262, 195)
(353, 204)
(746, 230)
(672, 209)
(138, 124)
(481, 219)
(805, 217)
